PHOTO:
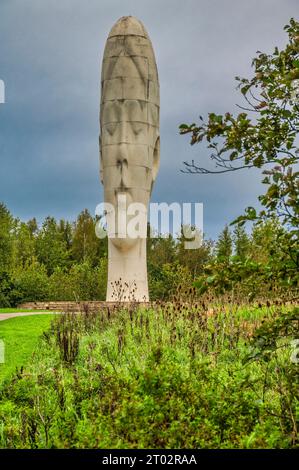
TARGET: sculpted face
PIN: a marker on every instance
(129, 140)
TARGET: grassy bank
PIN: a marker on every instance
(20, 336)
(177, 377)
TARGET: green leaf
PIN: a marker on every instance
(286, 113)
(251, 213)
(233, 155)
(244, 89)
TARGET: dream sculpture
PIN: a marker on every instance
(129, 151)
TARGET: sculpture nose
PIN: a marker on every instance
(122, 165)
(122, 161)
(123, 127)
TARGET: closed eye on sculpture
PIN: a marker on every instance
(110, 128)
(137, 128)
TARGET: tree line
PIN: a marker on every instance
(63, 260)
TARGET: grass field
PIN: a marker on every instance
(20, 336)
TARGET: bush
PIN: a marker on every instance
(82, 282)
(164, 281)
(31, 283)
(6, 289)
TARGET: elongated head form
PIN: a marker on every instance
(130, 138)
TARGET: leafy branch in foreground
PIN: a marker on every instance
(263, 133)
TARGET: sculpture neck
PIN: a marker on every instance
(127, 273)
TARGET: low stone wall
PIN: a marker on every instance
(88, 306)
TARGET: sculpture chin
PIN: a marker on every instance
(124, 244)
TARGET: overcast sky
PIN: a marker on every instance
(50, 59)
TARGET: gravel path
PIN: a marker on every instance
(7, 316)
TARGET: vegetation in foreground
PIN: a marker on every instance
(20, 336)
(177, 377)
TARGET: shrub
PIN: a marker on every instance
(32, 283)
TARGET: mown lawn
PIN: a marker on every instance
(20, 336)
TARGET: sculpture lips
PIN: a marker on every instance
(123, 194)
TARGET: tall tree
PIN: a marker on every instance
(7, 224)
(66, 230)
(24, 245)
(194, 259)
(6, 237)
(224, 245)
(86, 246)
(32, 226)
(262, 135)
(51, 248)
(160, 249)
(241, 242)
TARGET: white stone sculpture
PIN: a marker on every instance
(129, 149)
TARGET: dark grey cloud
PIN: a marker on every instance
(50, 56)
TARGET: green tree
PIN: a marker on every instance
(194, 259)
(263, 135)
(270, 247)
(6, 288)
(224, 245)
(86, 246)
(51, 247)
(160, 249)
(32, 226)
(165, 280)
(31, 283)
(24, 244)
(241, 242)
(6, 237)
(66, 230)
(87, 282)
